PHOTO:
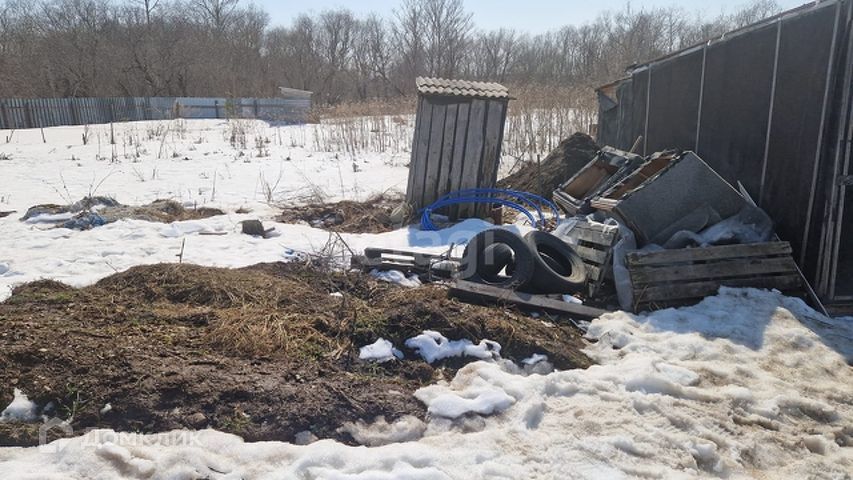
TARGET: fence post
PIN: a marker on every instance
(256, 108)
(28, 112)
(4, 111)
(177, 109)
(216, 106)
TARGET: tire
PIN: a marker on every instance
(477, 266)
(557, 267)
(501, 256)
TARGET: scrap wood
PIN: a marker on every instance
(479, 293)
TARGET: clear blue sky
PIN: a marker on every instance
(524, 15)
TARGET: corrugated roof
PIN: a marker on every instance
(460, 88)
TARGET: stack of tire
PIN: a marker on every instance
(537, 263)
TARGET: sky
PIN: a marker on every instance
(534, 16)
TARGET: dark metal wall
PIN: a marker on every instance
(762, 106)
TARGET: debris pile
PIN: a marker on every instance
(639, 233)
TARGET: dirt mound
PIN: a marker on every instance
(566, 160)
(264, 351)
(371, 216)
(164, 211)
(96, 211)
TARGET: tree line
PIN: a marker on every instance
(60, 48)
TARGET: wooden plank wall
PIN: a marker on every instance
(19, 113)
(456, 145)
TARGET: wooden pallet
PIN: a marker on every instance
(678, 277)
(405, 261)
(487, 294)
(594, 244)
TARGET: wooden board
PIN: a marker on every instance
(434, 160)
(594, 244)
(675, 277)
(473, 152)
(459, 142)
(666, 257)
(478, 293)
(420, 150)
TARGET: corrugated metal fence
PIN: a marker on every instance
(49, 112)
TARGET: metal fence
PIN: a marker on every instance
(768, 106)
(19, 113)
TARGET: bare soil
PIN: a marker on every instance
(264, 352)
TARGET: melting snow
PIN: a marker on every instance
(434, 346)
(379, 351)
(741, 385)
(397, 277)
(20, 410)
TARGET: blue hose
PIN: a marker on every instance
(490, 195)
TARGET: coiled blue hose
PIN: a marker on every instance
(492, 195)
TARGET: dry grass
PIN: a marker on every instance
(539, 118)
(370, 216)
(286, 311)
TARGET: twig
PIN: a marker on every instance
(181, 255)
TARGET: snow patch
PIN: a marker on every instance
(380, 351)
(433, 346)
(20, 410)
(406, 429)
(396, 277)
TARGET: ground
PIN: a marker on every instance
(182, 367)
(264, 352)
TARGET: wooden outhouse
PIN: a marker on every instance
(457, 141)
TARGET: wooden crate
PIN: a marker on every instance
(594, 244)
(678, 277)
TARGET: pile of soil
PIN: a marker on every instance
(108, 210)
(371, 216)
(560, 165)
(264, 352)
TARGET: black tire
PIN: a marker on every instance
(558, 268)
(498, 256)
(478, 267)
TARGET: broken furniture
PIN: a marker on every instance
(677, 277)
(644, 172)
(457, 141)
(609, 165)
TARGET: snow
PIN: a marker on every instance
(198, 167)
(396, 277)
(20, 410)
(739, 386)
(746, 384)
(380, 351)
(434, 346)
